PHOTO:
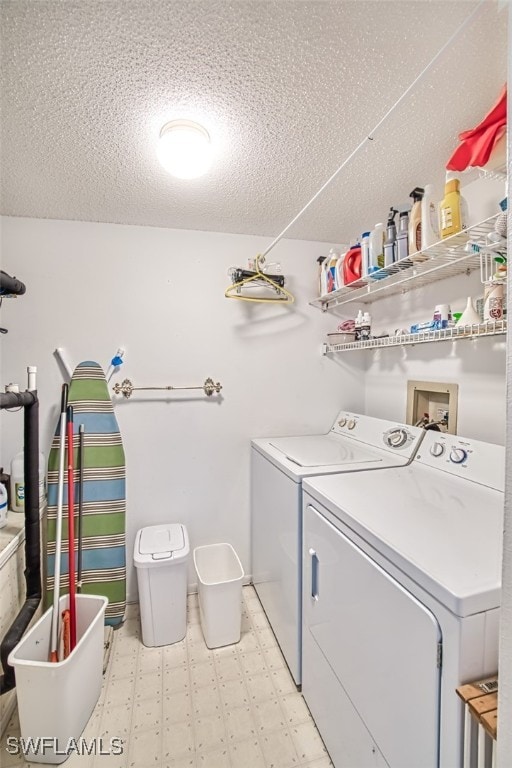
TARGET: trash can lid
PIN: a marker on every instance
(158, 543)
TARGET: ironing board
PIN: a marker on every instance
(104, 495)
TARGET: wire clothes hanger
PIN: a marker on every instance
(259, 279)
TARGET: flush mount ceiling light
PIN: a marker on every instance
(184, 149)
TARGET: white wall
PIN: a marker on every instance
(160, 294)
(505, 669)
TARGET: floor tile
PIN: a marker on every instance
(240, 724)
(148, 686)
(233, 693)
(176, 707)
(177, 740)
(177, 679)
(260, 687)
(307, 742)
(145, 748)
(147, 714)
(203, 675)
(209, 732)
(253, 663)
(295, 709)
(174, 655)
(269, 716)
(228, 667)
(206, 701)
(279, 750)
(247, 754)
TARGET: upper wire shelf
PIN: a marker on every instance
(456, 255)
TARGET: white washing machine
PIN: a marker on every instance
(401, 596)
(278, 466)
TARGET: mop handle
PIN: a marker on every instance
(54, 644)
(71, 531)
(81, 430)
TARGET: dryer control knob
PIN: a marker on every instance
(458, 455)
(342, 422)
(437, 449)
(396, 438)
(351, 424)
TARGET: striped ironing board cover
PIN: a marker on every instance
(104, 495)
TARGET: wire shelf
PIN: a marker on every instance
(499, 173)
(456, 255)
(494, 328)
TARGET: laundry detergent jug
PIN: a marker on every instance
(352, 264)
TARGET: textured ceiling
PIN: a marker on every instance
(287, 90)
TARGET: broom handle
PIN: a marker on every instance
(71, 532)
(54, 644)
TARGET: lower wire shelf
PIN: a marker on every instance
(493, 328)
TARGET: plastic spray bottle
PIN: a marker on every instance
(390, 250)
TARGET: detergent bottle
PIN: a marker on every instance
(331, 262)
(376, 256)
(452, 209)
(365, 253)
(352, 264)
(18, 482)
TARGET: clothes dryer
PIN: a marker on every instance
(355, 443)
(401, 596)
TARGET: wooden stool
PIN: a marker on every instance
(481, 717)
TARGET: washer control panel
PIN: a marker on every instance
(397, 437)
(377, 433)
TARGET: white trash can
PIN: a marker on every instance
(56, 699)
(160, 556)
(220, 574)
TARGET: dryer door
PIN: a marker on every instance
(381, 646)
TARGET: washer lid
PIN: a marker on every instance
(324, 450)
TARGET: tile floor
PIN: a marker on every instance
(185, 706)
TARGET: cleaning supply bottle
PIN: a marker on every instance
(429, 218)
(415, 221)
(376, 257)
(452, 210)
(390, 250)
(332, 260)
(352, 264)
(3, 505)
(322, 281)
(402, 238)
(357, 326)
(366, 326)
(18, 482)
(339, 281)
(365, 253)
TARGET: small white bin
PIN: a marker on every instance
(56, 699)
(160, 556)
(220, 574)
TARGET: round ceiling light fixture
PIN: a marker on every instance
(184, 149)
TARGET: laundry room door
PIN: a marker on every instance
(377, 649)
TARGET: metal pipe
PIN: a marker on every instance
(32, 529)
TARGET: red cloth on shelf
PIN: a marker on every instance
(477, 144)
